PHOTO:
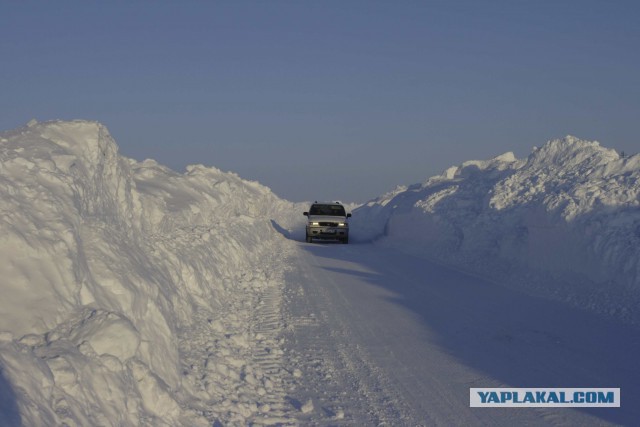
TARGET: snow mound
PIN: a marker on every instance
(136, 295)
(120, 278)
(565, 222)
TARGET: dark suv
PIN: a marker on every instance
(327, 221)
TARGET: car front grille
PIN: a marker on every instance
(329, 224)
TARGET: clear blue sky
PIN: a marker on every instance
(327, 99)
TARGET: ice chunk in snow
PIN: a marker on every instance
(109, 334)
(307, 407)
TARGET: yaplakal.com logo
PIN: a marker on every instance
(544, 397)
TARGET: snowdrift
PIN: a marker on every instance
(120, 278)
(564, 222)
(133, 295)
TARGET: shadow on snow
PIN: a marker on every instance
(9, 413)
(514, 338)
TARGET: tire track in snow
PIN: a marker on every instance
(334, 372)
(232, 360)
(267, 356)
(396, 340)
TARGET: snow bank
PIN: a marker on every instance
(565, 222)
(133, 295)
(120, 279)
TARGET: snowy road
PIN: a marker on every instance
(384, 338)
(136, 295)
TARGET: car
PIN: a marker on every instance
(327, 221)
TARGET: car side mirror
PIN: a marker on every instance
(305, 213)
(348, 215)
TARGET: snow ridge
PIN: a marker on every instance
(136, 295)
(122, 278)
(565, 222)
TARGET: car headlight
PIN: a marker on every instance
(343, 224)
(315, 223)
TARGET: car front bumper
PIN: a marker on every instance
(327, 232)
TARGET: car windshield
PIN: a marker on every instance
(333, 210)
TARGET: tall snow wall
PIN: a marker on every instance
(106, 264)
(564, 222)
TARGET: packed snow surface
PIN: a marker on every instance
(136, 295)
